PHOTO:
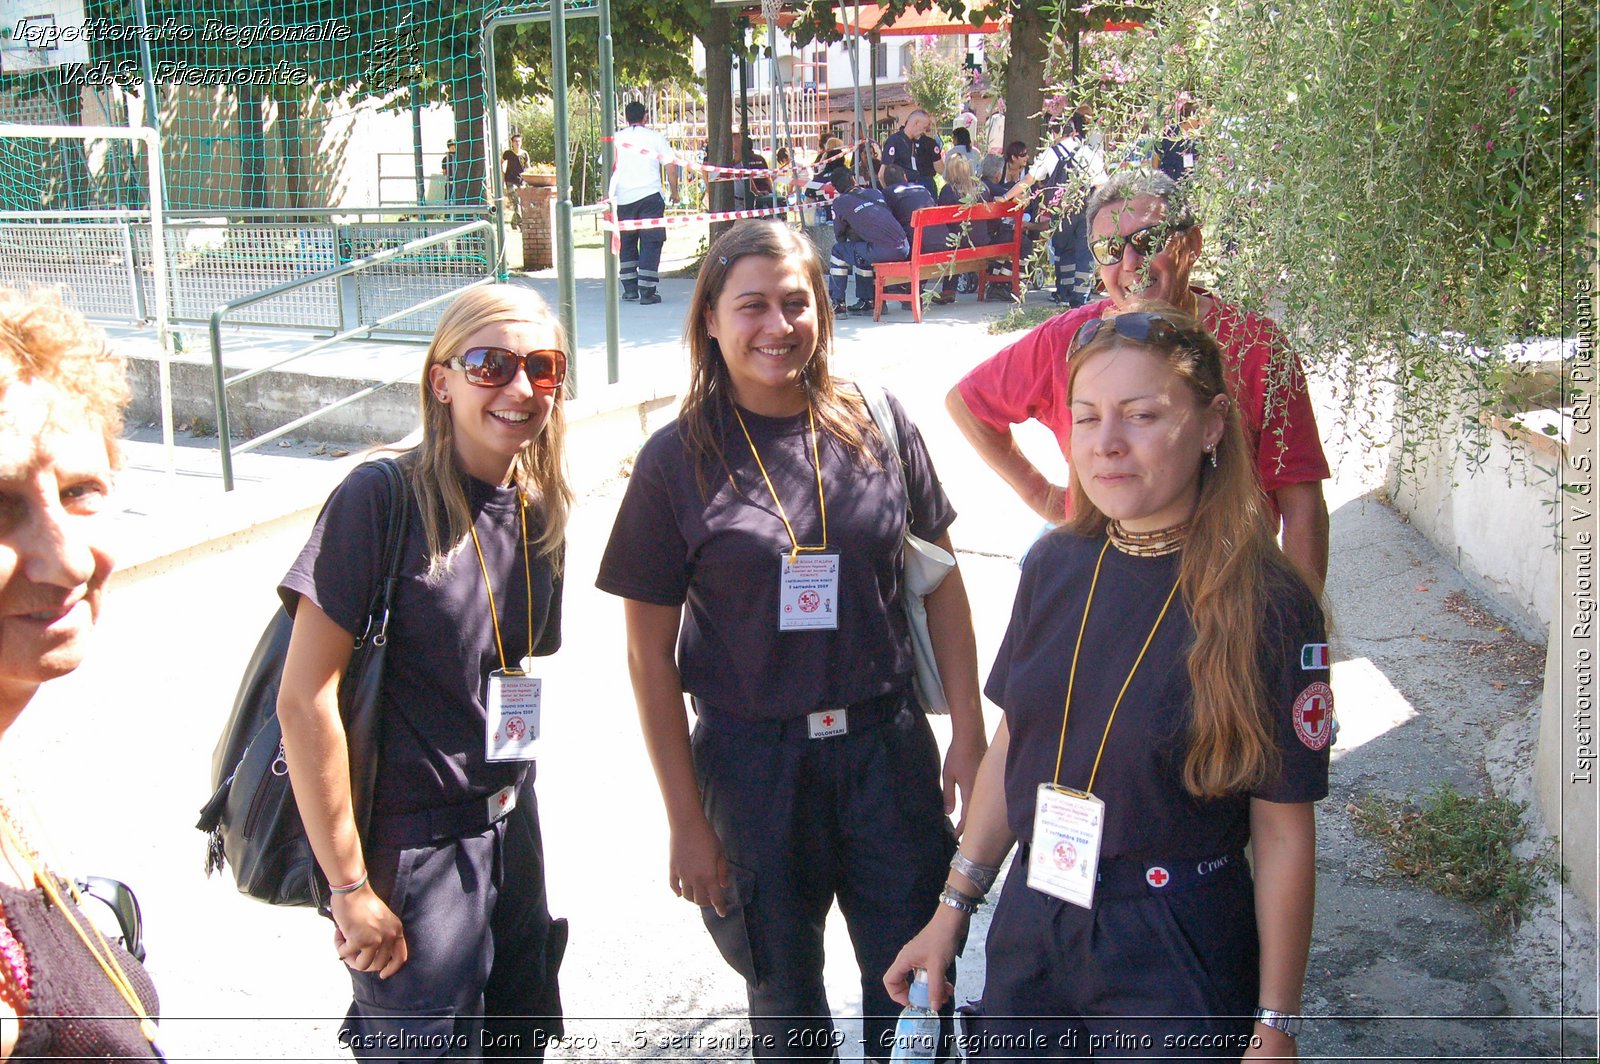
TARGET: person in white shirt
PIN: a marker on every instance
(1074, 170)
(641, 153)
(994, 129)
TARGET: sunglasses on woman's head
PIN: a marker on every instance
(496, 367)
(1151, 240)
(1142, 327)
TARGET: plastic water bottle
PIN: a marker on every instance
(916, 1034)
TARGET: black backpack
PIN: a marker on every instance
(251, 820)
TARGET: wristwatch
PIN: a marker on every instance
(1286, 1022)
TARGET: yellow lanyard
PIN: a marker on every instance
(527, 571)
(1073, 675)
(101, 952)
(816, 460)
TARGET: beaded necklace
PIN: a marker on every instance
(1148, 544)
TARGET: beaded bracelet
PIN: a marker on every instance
(982, 876)
(959, 901)
(350, 888)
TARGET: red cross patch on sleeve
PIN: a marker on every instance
(1313, 716)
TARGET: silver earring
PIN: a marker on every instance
(444, 397)
(1212, 451)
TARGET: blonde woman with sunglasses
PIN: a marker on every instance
(440, 910)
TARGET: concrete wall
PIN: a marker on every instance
(1495, 522)
(1528, 545)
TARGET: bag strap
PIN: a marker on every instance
(398, 517)
(878, 406)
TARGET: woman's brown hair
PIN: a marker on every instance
(1230, 564)
(539, 470)
(840, 413)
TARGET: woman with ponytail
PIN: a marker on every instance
(1165, 686)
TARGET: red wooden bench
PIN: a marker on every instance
(940, 262)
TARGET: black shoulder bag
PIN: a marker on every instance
(251, 819)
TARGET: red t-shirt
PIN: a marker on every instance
(1028, 380)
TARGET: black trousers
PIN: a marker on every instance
(1144, 974)
(484, 952)
(641, 248)
(858, 818)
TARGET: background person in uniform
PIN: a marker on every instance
(513, 161)
(812, 775)
(447, 168)
(1146, 241)
(440, 911)
(865, 232)
(61, 398)
(905, 199)
(1179, 148)
(635, 192)
(1068, 172)
(1164, 657)
(914, 151)
(758, 188)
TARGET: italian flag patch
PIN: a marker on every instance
(1314, 656)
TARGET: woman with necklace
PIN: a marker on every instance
(1165, 684)
(439, 909)
(65, 993)
(758, 548)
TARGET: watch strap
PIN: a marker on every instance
(1287, 1022)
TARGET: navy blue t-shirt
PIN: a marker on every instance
(718, 558)
(441, 638)
(1148, 812)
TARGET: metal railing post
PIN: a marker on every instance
(220, 380)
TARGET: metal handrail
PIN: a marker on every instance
(221, 383)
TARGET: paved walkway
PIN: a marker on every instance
(1396, 972)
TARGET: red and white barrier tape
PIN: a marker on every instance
(720, 173)
(672, 220)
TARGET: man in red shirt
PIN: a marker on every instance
(1146, 242)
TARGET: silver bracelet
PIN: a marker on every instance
(954, 898)
(982, 876)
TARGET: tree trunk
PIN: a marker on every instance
(252, 149)
(1024, 88)
(290, 117)
(74, 154)
(467, 183)
(718, 39)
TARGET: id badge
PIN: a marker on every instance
(511, 730)
(808, 591)
(1065, 854)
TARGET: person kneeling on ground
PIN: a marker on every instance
(867, 234)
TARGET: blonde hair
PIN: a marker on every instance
(709, 397)
(539, 469)
(958, 175)
(1229, 573)
(42, 340)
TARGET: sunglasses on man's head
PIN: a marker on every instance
(1151, 240)
(1142, 327)
(495, 367)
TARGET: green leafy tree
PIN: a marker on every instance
(937, 82)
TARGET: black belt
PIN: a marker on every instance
(1149, 877)
(459, 821)
(861, 716)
